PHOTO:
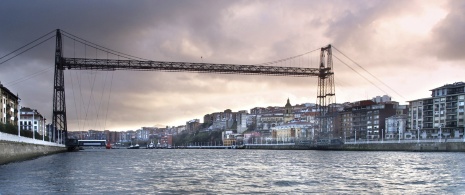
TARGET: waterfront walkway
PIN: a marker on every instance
(407, 141)
(16, 138)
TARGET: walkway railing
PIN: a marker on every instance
(16, 138)
(436, 140)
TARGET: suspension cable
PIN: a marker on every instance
(289, 58)
(359, 74)
(102, 48)
(369, 73)
(27, 44)
(26, 50)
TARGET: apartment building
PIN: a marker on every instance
(365, 120)
(441, 115)
(32, 120)
(8, 106)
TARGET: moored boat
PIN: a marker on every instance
(134, 146)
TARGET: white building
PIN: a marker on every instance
(291, 131)
(396, 126)
(32, 120)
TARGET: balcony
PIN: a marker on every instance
(451, 98)
(427, 102)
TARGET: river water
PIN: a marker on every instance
(221, 171)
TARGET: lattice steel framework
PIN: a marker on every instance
(324, 73)
(326, 93)
(59, 106)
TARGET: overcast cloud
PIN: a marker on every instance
(412, 46)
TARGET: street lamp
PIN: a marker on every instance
(19, 118)
(382, 135)
(418, 132)
(33, 132)
(43, 130)
(440, 132)
(355, 136)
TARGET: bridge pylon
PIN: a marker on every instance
(326, 94)
(59, 106)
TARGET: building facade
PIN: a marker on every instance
(441, 115)
(8, 106)
(365, 120)
(32, 120)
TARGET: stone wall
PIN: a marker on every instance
(18, 151)
(417, 147)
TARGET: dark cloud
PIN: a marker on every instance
(233, 32)
(448, 34)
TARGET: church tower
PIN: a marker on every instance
(288, 115)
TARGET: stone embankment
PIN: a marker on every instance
(415, 147)
(17, 151)
(14, 148)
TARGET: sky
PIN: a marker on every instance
(409, 46)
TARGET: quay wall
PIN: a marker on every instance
(417, 147)
(420, 147)
(11, 151)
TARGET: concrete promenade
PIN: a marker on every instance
(436, 145)
(14, 148)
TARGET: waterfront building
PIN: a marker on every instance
(192, 125)
(226, 120)
(241, 121)
(32, 120)
(396, 127)
(441, 115)
(291, 131)
(365, 120)
(8, 106)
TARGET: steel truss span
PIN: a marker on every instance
(325, 74)
(110, 64)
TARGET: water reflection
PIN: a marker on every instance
(235, 171)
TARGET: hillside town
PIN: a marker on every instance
(379, 118)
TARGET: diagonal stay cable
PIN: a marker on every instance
(27, 50)
(369, 73)
(289, 58)
(96, 46)
(27, 77)
(359, 74)
(27, 44)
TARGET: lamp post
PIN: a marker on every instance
(399, 135)
(43, 130)
(19, 118)
(440, 132)
(418, 132)
(33, 132)
(382, 135)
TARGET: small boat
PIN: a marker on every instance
(134, 146)
(151, 145)
(108, 146)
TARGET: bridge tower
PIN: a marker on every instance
(326, 93)
(59, 105)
